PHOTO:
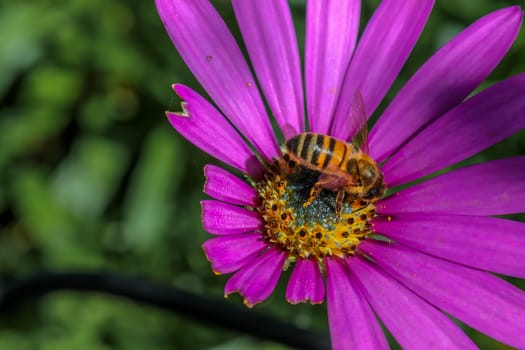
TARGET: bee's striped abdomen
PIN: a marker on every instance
(318, 150)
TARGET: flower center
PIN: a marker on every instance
(310, 228)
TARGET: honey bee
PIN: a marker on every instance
(344, 167)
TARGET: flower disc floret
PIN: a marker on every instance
(312, 231)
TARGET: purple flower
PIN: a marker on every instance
(410, 258)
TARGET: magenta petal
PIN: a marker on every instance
(331, 32)
(226, 187)
(435, 88)
(353, 324)
(210, 51)
(382, 51)
(477, 298)
(479, 122)
(199, 120)
(412, 321)
(485, 243)
(257, 280)
(490, 188)
(224, 219)
(269, 35)
(306, 283)
(229, 253)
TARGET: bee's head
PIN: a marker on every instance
(371, 194)
(367, 172)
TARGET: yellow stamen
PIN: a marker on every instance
(314, 231)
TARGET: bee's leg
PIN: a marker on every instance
(280, 166)
(314, 192)
(339, 201)
(326, 181)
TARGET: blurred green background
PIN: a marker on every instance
(92, 176)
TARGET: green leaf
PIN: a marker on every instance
(149, 201)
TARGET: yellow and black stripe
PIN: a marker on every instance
(319, 150)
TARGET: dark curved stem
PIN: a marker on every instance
(199, 308)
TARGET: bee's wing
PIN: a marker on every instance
(358, 118)
(335, 181)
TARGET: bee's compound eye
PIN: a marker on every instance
(351, 167)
